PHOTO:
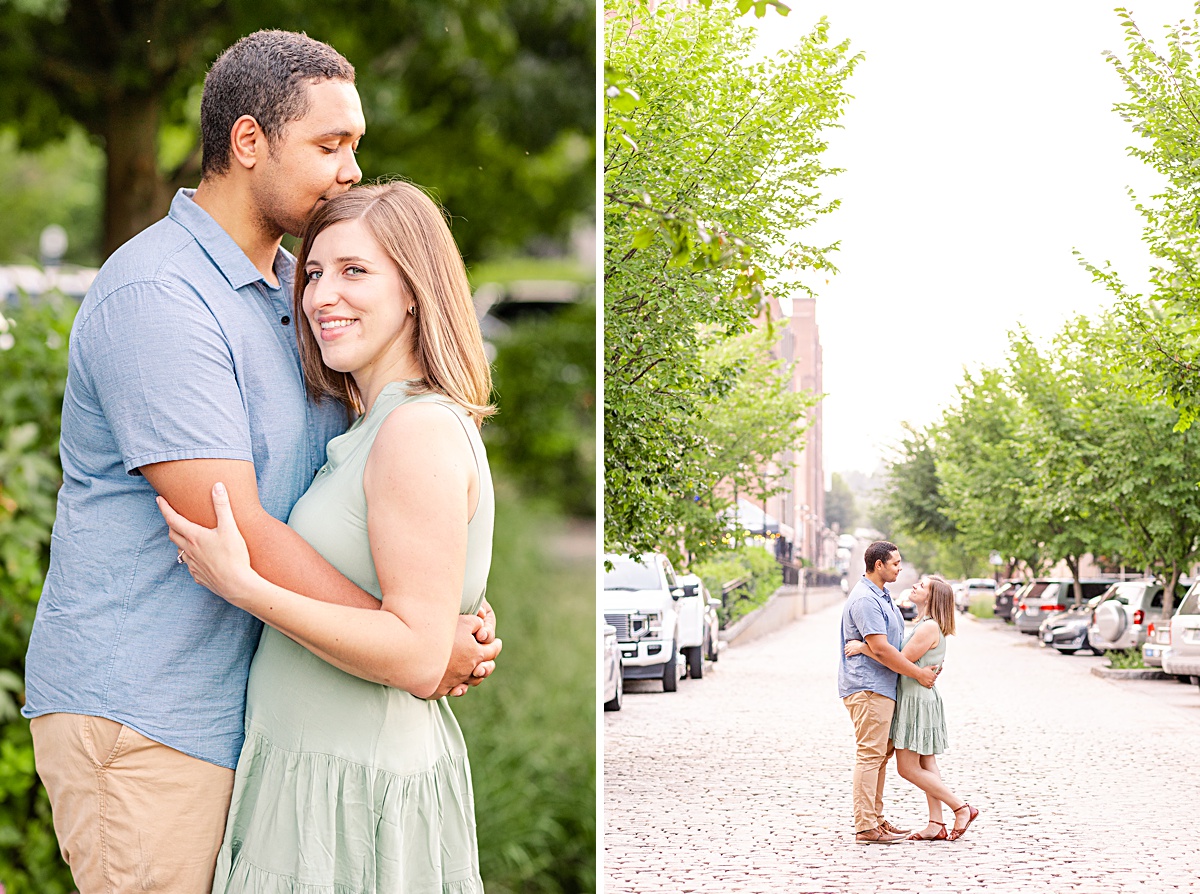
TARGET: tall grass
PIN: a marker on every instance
(531, 728)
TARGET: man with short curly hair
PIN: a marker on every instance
(184, 371)
(867, 686)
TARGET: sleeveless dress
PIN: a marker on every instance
(345, 786)
(919, 723)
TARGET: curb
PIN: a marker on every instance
(1109, 673)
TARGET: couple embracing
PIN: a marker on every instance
(886, 680)
(250, 438)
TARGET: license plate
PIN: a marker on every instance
(1191, 635)
(1151, 652)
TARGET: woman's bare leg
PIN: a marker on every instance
(929, 763)
(910, 766)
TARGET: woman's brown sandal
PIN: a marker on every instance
(940, 836)
(957, 833)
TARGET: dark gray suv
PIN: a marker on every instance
(1048, 595)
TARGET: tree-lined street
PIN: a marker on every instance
(743, 784)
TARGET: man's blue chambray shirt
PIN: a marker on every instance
(869, 610)
(179, 351)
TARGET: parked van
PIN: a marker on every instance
(641, 601)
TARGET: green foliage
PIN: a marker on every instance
(489, 103)
(756, 568)
(57, 184)
(545, 433)
(710, 159)
(742, 436)
(33, 364)
(840, 509)
(1162, 344)
(1125, 659)
(983, 606)
(531, 728)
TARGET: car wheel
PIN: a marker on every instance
(670, 675)
(614, 703)
(712, 648)
(1067, 651)
(695, 661)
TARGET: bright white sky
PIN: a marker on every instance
(980, 148)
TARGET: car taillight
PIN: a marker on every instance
(1022, 607)
(1138, 616)
(1150, 631)
(1054, 608)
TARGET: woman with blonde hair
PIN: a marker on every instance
(350, 779)
(919, 722)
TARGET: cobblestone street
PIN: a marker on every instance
(741, 781)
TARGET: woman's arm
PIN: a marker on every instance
(924, 638)
(858, 647)
(421, 488)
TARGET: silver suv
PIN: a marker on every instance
(1183, 657)
(1120, 621)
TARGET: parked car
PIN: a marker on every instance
(908, 609)
(1120, 620)
(614, 683)
(1049, 595)
(640, 600)
(1158, 641)
(698, 624)
(1067, 631)
(1183, 659)
(974, 586)
(1006, 595)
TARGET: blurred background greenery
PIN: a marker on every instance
(491, 105)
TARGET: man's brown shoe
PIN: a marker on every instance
(888, 827)
(878, 836)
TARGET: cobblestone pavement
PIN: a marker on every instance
(741, 781)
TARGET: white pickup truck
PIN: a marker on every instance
(641, 601)
(698, 624)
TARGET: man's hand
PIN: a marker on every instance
(472, 659)
(927, 676)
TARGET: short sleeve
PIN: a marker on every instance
(868, 617)
(163, 375)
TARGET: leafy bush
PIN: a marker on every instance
(531, 728)
(545, 433)
(1125, 659)
(983, 606)
(762, 575)
(33, 368)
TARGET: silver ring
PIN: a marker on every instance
(179, 559)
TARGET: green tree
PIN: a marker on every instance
(840, 509)
(1162, 107)
(488, 102)
(987, 476)
(711, 167)
(742, 437)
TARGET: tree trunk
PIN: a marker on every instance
(1073, 564)
(1168, 606)
(135, 194)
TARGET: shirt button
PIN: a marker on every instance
(286, 319)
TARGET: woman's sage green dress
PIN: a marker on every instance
(345, 786)
(919, 723)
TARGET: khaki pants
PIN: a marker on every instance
(131, 814)
(871, 714)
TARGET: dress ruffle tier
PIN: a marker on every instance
(313, 823)
(919, 723)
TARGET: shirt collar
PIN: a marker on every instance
(220, 247)
(884, 592)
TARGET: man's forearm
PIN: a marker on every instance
(891, 658)
(285, 558)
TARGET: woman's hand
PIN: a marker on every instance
(216, 557)
(856, 647)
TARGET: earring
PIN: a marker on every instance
(412, 310)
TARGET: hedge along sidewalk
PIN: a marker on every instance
(786, 605)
